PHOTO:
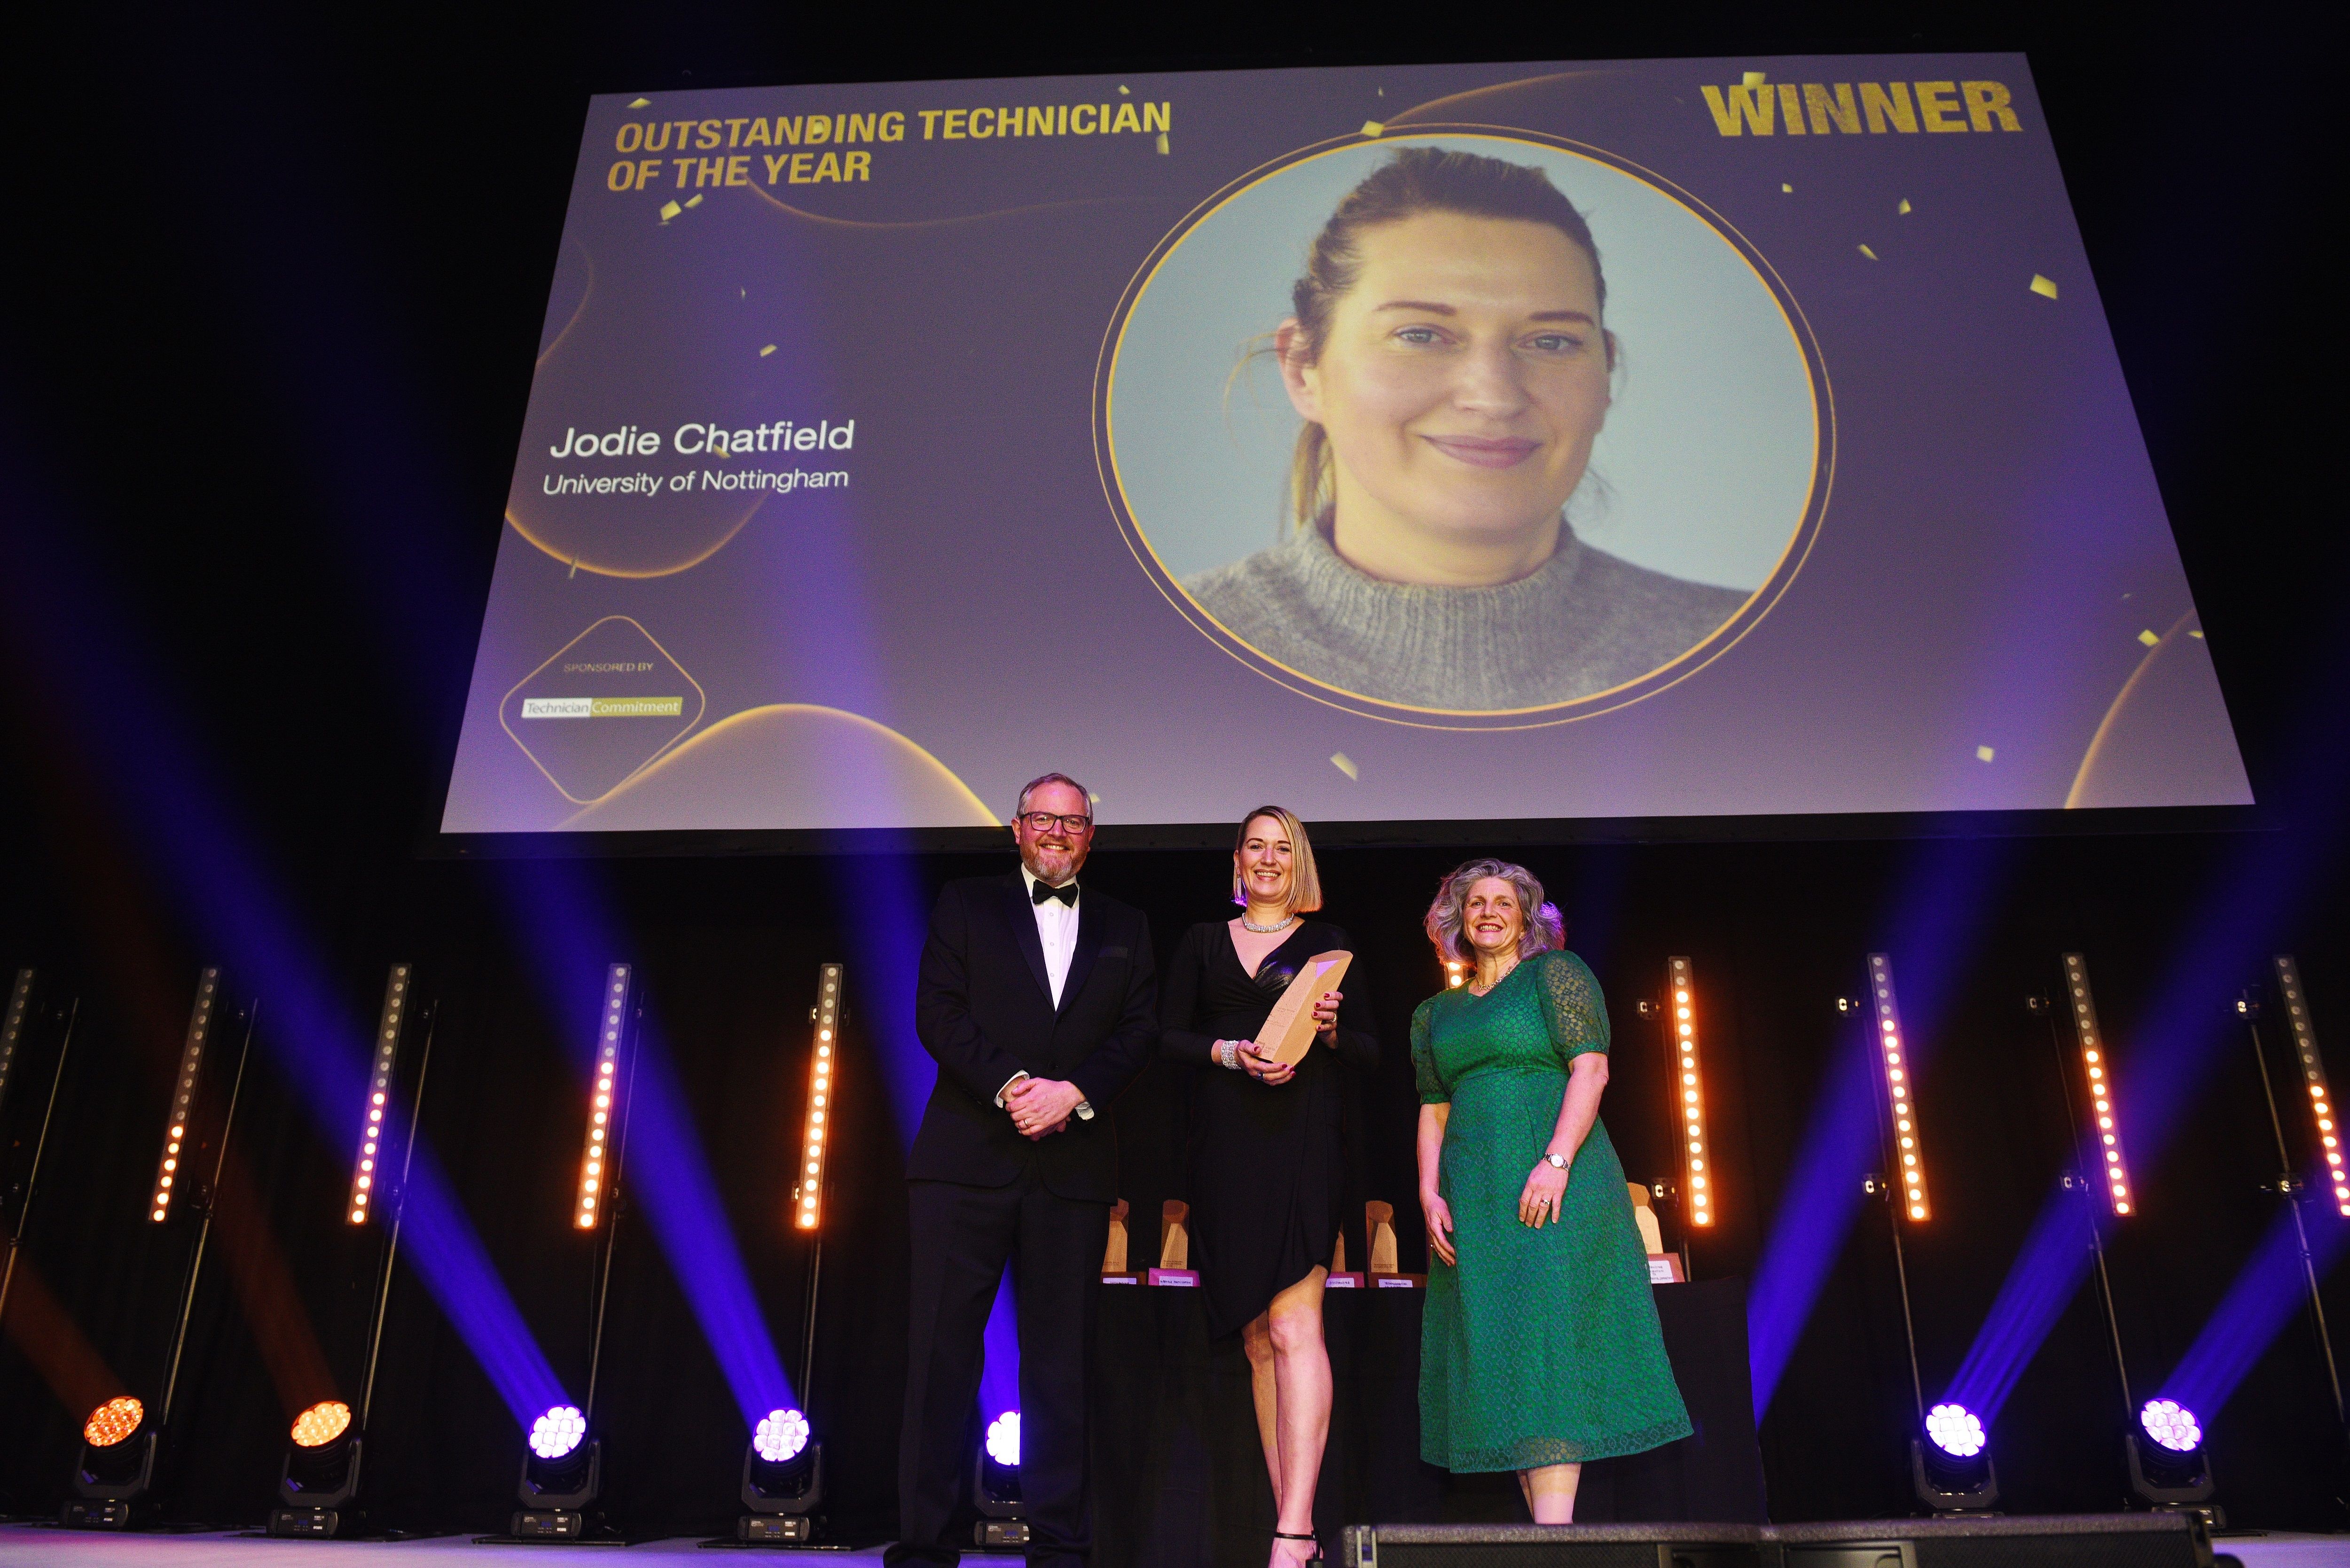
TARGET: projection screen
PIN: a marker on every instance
(1626, 440)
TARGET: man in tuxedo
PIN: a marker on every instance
(1037, 999)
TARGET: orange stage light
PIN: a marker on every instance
(113, 1421)
(321, 1424)
(1696, 1148)
(807, 1194)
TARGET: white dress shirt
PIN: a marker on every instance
(1057, 930)
(1056, 927)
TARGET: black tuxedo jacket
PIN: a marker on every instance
(984, 1008)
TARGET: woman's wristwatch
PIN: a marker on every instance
(1555, 1161)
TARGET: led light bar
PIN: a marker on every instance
(2312, 1073)
(592, 1165)
(1680, 1001)
(2096, 1061)
(183, 1092)
(808, 1196)
(1893, 1056)
(12, 1025)
(364, 1164)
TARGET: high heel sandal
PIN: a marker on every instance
(1287, 1535)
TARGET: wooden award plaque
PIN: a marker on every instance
(1378, 1224)
(1288, 1032)
(1174, 1246)
(1114, 1269)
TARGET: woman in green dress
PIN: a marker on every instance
(1540, 1348)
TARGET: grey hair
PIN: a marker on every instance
(1032, 785)
(1544, 930)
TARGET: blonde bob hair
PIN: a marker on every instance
(1544, 928)
(1304, 881)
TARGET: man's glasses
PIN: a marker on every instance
(1045, 821)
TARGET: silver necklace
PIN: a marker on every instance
(1286, 922)
(1497, 981)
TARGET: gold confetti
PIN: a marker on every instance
(642, 103)
(2196, 635)
(669, 209)
(2044, 286)
(693, 201)
(2149, 639)
(1346, 765)
(1373, 128)
(1984, 753)
(1162, 141)
(1904, 207)
(1787, 188)
(1755, 79)
(767, 350)
(1122, 91)
(1869, 254)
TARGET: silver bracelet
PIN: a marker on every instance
(1227, 1051)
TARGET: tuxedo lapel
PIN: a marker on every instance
(1089, 942)
(1022, 914)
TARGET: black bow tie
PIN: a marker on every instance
(1066, 892)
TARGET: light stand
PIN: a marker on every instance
(1677, 1014)
(2155, 1476)
(20, 1017)
(2288, 1185)
(1948, 1469)
(1688, 1124)
(563, 1468)
(782, 1469)
(319, 1480)
(115, 1473)
(2075, 1180)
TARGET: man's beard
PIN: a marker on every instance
(1052, 863)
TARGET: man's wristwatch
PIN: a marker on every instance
(1555, 1161)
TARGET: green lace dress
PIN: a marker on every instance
(1540, 1348)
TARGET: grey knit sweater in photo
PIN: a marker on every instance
(1582, 622)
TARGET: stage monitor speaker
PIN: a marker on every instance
(2064, 1541)
(1991, 1541)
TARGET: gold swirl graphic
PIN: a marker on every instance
(790, 765)
(1519, 85)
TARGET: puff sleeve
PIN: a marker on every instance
(1571, 1005)
(1433, 1089)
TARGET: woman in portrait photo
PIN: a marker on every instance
(1265, 1169)
(1448, 351)
(1540, 1348)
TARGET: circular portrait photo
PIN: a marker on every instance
(1464, 424)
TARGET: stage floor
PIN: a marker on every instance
(33, 1546)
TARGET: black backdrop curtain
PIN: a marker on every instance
(728, 950)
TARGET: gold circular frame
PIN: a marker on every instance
(1671, 673)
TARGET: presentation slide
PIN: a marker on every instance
(1653, 439)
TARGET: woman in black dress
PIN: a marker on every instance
(1265, 1177)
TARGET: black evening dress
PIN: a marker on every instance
(1265, 1169)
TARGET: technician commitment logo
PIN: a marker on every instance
(586, 763)
(603, 707)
